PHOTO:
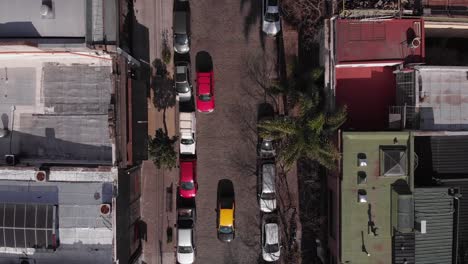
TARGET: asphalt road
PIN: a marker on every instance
(226, 148)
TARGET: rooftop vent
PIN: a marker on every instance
(362, 160)
(47, 9)
(105, 209)
(41, 176)
(11, 160)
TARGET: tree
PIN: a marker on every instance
(306, 134)
(306, 15)
(161, 150)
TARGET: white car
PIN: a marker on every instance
(185, 247)
(187, 126)
(267, 195)
(271, 248)
(271, 23)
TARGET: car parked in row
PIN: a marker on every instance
(205, 92)
(182, 83)
(267, 195)
(181, 32)
(188, 185)
(185, 242)
(271, 24)
(271, 240)
(266, 147)
(187, 127)
(225, 211)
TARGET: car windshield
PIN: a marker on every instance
(204, 97)
(225, 229)
(187, 185)
(267, 145)
(271, 248)
(271, 17)
(267, 196)
(185, 249)
(181, 39)
(186, 141)
(182, 87)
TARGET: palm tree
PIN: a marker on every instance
(161, 150)
(305, 135)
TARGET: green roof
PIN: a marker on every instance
(381, 150)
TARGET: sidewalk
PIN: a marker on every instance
(158, 186)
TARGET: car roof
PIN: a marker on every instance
(271, 233)
(187, 170)
(184, 237)
(268, 177)
(204, 83)
(180, 22)
(226, 217)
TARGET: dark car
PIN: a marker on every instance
(226, 211)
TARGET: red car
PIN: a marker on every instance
(205, 92)
(188, 178)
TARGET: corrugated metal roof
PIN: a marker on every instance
(403, 248)
(462, 185)
(449, 154)
(435, 206)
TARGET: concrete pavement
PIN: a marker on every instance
(153, 17)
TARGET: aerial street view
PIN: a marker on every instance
(234, 132)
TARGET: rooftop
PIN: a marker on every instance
(56, 106)
(83, 235)
(442, 97)
(368, 92)
(373, 162)
(436, 207)
(90, 19)
(379, 40)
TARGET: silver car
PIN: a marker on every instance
(271, 242)
(267, 195)
(271, 23)
(185, 245)
(181, 32)
(182, 83)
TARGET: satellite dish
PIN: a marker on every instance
(45, 9)
(4, 132)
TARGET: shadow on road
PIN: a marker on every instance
(225, 189)
(253, 15)
(203, 62)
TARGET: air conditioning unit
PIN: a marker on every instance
(105, 209)
(41, 176)
(11, 160)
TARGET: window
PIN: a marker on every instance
(361, 160)
(393, 161)
(362, 196)
(362, 177)
(331, 214)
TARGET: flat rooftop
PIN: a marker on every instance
(85, 235)
(442, 97)
(387, 162)
(378, 40)
(56, 106)
(23, 18)
(368, 92)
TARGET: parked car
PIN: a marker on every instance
(225, 211)
(267, 195)
(266, 147)
(185, 244)
(205, 92)
(182, 83)
(271, 23)
(188, 178)
(181, 32)
(187, 126)
(271, 241)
